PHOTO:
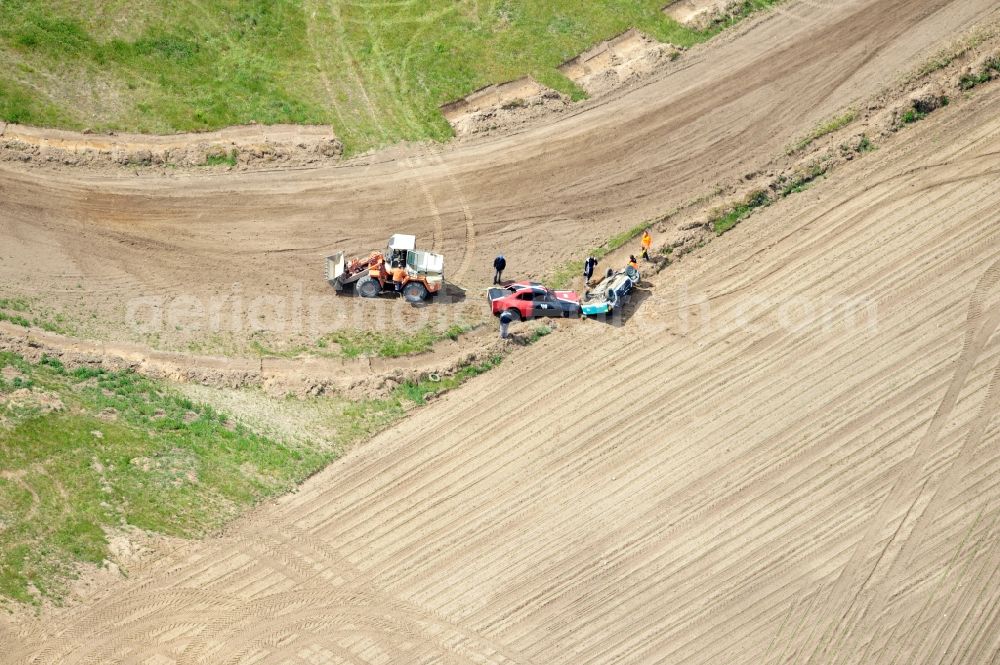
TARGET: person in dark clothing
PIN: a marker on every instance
(505, 320)
(588, 268)
(499, 263)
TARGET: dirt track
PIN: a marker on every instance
(758, 492)
(739, 479)
(90, 245)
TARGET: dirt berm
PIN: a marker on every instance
(354, 377)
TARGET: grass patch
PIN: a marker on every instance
(725, 220)
(356, 343)
(949, 54)
(362, 343)
(222, 158)
(19, 312)
(14, 304)
(376, 72)
(16, 319)
(538, 333)
(21, 104)
(911, 116)
(801, 181)
(822, 130)
(87, 450)
(970, 80)
(416, 392)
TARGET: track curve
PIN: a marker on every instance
(96, 244)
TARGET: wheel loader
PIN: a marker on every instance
(400, 268)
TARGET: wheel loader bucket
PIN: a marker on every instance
(335, 269)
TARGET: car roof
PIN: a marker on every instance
(524, 286)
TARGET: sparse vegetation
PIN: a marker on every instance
(565, 274)
(355, 343)
(376, 72)
(804, 179)
(856, 145)
(417, 392)
(14, 304)
(825, 128)
(16, 319)
(949, 54)
(970, 79)
(19, 312)
(911, 116)
(222, 158)
(538, 333)
(725, 220)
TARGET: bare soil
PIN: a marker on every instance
(105, 249)
(501, 108)
(246, 147)
(779, 489)
(749, 470)
(700, 14)
(627, 58)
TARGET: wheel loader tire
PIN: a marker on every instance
(415, 292)
(368, 287)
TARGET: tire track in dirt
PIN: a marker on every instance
(561, 532)
(604, 167)
(656, 493)
(905, 560)
(981, 326)
(318, 60)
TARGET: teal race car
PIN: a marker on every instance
(611, 292)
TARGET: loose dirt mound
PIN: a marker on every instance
(753, 482)
(250, 146)
(611, 64)
(503, 107)
(701, 14)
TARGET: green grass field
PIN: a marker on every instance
(377, 72)
(85, 451)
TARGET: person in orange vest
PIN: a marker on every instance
(647, 242)
(632, 261)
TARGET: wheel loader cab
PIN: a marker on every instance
(400, 245)
(397, 258)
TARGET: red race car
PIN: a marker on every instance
(527, 300)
